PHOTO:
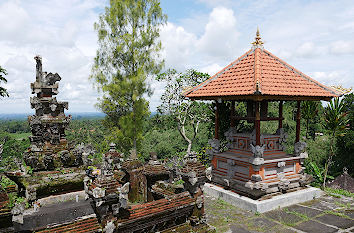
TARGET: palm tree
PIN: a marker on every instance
(3, 91)
(336, 122)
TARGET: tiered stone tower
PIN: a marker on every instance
(48, 124)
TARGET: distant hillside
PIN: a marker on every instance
(75, 115)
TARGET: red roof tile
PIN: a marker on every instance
(258, 72)
(87, 225)
(176, 201)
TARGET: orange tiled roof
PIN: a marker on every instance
(259, 73)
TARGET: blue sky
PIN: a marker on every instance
(316, 37)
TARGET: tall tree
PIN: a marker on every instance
(336, 123)
(3, 91)
(188, 114)
(128, 53)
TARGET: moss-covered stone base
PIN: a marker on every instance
(46, 183)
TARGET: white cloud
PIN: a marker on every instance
(342, 47)
(211, 69)
(315, 37)
(178, 46)
(220, 37)
(333, 78)
(183, 49)
(62, 33)
(215, 3)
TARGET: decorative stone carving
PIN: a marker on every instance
(229, 133)
(257, 185)
(215, 146)
(299, 148)
(258, 152)
(283, 136)
(208, 173)
(48, 162)
(50, 79)
(98, 192)
(109, 228)
(48, 124)
(256, 178)
(123, 195)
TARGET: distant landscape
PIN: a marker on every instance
(75, 115)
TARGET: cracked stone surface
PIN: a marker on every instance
(326, 214)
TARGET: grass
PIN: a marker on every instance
(337, 214)
(303, 216)
(346, 206)
(340, 192)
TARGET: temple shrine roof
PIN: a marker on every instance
(173, 202)
(258, 74)
(81, 225)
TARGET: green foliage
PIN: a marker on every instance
(336, 123)
(309, 112)
(335, 117)
(179, 182)
(187, 114)
(345, 144)
(12, 149)
(29, 170)
(14, 126)
(318, 174)
(128, 52)
(13, 199)
(6, 182)
(3, 91)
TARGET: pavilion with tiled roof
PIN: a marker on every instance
(256, 163)
(260, 75)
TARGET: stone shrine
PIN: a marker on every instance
(64, 192)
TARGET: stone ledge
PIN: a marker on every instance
(275, 202)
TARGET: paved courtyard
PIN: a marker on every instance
(330, 213)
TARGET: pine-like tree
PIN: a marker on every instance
(127, 54)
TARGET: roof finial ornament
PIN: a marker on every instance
(257, 42)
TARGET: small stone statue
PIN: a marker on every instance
(258, 151)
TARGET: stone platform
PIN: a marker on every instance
(327, 214)
(262, 206)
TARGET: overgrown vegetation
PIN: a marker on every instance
(161, 135)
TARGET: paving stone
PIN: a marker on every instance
(238, 229)
(322, 205)
(283, 217)
(340, 202)
(349, 213)
(261, 224)
(304, 210)
(335, 220)
(281, 229)
(315, 227)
